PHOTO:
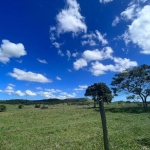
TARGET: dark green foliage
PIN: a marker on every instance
(20, 106)
(99, 91)
(135, 80)
(44, 107)
(37, 106)
(2, 108)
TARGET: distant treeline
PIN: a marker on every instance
(70, 101)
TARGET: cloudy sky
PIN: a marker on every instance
(55, 49)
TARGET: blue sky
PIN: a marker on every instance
(55, 49)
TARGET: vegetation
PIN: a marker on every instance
(135, 80)
(20, 106)
(74, 127)
(2, 108)
(99, 91)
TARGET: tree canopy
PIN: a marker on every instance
(99, 91)
(133, 80)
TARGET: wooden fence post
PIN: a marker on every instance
(104, 125)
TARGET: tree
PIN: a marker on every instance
(99, 91)
(133, 80)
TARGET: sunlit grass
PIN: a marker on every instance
(62, 127)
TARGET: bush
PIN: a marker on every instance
(44, 107)
(2, 108)
(37, 106)
(20, 106)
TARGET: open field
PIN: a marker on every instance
(62, 127)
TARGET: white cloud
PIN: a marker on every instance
(68, 54)
(65, 95)
(89, 42)
(130, 12)
(46, 94)
(58, 78)
(19, 93)
(11, 50)
(19, 61)
(116, 21)
(9, 89)
(30, 93)
(28, 76)
(120, 65)
(53, 90)
(75, 54)
(1, 90)
(101, 38)
(80, 63)
(56, 44)
(42, 61)
(70, 19)
(81, 88)
(60, 53)
(69, 70)
(52, 28)
(96, 54)
(38, 88)
(56, 93)
(94, 38)
(105, 1)
(139, 30)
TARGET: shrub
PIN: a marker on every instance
(20, 106)
(37, 106)
(2, 108)
(44, 107)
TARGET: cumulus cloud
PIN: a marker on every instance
(9, 89)
(56, 93)
(105, 1)
(80, 63)
(81, 88)
(58, 78)
(70, 19)
(46, 94)
(120, 65)
(116, 21)
(42, 61)
(30, 93)
(139, 30)
(28, 76)
(19, 93)
(96, 54)
(11, 50)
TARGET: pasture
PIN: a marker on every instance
(63, 127)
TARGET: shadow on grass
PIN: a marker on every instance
(126, 110)
(144, 142)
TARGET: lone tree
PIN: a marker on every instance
(99, 91)
(134, 80)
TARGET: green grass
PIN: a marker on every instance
(62, 127)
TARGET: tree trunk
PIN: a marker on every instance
(145, 103)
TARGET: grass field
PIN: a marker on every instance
(62, 127)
